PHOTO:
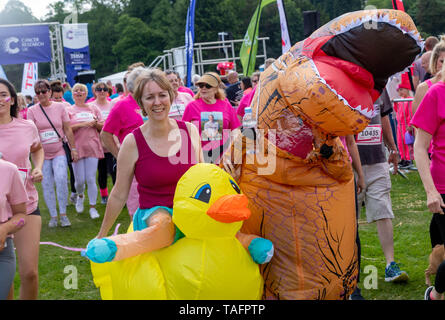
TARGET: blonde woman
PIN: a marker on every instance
(86, 123)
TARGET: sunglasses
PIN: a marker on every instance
(202, 85)
(38, 92)
(101, 89)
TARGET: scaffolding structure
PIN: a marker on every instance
(206, 54)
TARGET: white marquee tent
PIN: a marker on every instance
(114, 78)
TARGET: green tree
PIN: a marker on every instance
(429, 17)
(135, 39)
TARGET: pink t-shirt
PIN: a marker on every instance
(186, 90)
(58, 114)
(124, 117)
(178, 106)
(105, 110)
(245, 102)
(214, 132)
(12, 189)
(16, 140)
(430, 117)
(87, 139)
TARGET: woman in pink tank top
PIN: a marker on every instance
(156, 154)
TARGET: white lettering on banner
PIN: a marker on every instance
(372, 135)
(84, 116)
(49, 136)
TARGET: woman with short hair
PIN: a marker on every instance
(52, 120)
(86, 122)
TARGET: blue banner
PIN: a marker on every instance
(24, 44)
(190, 40)
(76, 49)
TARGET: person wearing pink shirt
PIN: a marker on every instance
(19, 142)
(124, 117)
(86, 122)
(57, 93)
(107, 165)
(214, 117)
(429, 121)
(12, 218)
(182, 99)
(404, 115)
(55, 164)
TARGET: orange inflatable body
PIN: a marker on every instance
(300, 182)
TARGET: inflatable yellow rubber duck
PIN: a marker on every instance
(209, 262)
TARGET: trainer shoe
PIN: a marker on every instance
(52, 222)
(93, 213)
(79, 204)
(73, 198)
(104, 200)
(394, 274)
(64, 221)
(356, 295)
(427, 295)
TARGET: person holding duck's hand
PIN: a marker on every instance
(157, 154)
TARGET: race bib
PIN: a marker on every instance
(105, 114)
(49, 136)
(372, 135)
(23, 174)
(84, 117)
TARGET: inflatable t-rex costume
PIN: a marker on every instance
(300, 185)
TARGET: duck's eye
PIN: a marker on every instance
(204, 193)
(235, 186)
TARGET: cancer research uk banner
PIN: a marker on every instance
(24, 44)
(76, 49)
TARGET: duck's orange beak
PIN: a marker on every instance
(230, 208)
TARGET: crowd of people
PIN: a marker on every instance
(136, 131)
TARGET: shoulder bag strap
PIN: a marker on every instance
(41, 108)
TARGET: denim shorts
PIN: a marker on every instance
(7, 268)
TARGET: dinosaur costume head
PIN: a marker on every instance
(329, 81)
(322, 88)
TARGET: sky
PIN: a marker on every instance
(38, 7)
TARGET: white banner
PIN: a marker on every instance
(75, 36)
(285, 40)
(30, 76)
(2, 73)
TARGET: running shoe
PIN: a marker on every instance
(394, 274)
(79, 204)
(427, 295)
(73, 198)
(52, 222)
(104, 200)
(64, 221)
(93, 213)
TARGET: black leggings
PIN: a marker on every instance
(439, 283)
(72, 181)
(437, 228)
(106, 166)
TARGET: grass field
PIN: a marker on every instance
(58, 267)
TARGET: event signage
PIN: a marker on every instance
(22, 44)
(30, 75)
(76, 49)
